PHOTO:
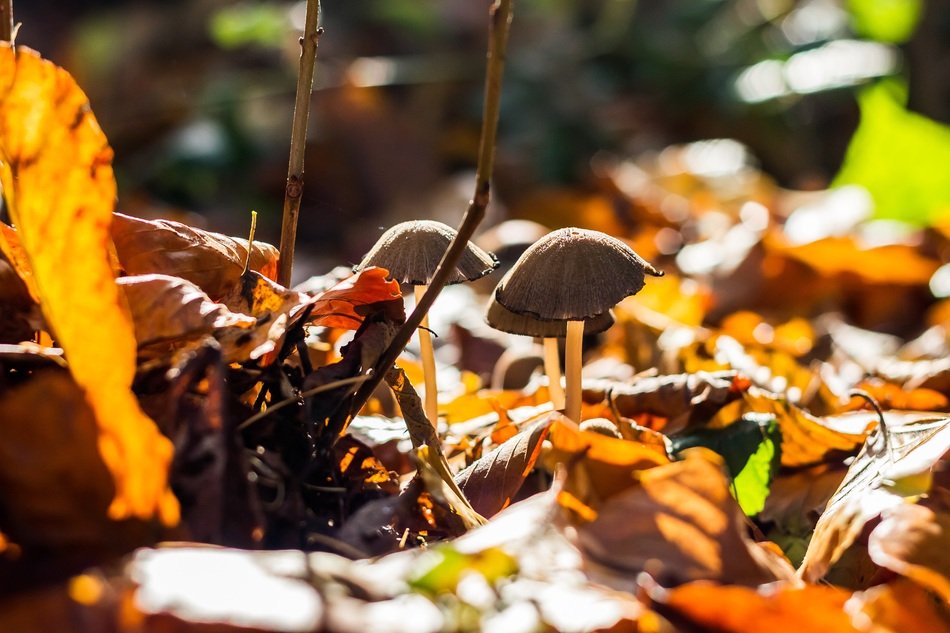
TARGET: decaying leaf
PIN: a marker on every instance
(680, 524)
(493, 480)
(211, 261)
(344, 305)
(894, 467)
(58, 183)
(169, 309)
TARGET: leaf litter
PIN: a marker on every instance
(179, 448)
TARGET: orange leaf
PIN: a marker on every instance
(58, 182)
(340, 305)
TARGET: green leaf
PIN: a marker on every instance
(752, 450)
(441, 569)
(891, 21)
(900, 157)
(263, 24)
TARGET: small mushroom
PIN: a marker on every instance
(411, 252)
(572, 275)
(501, 318)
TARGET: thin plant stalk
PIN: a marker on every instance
(7, 28)
(427, 356)
(298, 141)
(552, 367)
(499, 27)
(572, 369)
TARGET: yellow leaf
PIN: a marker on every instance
(59, 186)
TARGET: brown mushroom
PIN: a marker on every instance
(572, 275)
(501, 318)
(411, 252)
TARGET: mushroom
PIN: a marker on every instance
(411, 252)
(501, 318)
(570, 276)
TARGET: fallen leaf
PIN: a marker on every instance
(679, 523)
(911, 540)
(678, 400)
(900, 606)
(894, 465)
(728, 609)
(55, 489)
(344, 305)
(599, 466)
(168, 309)
(58, 183)
(494, 479)
(212, 261)
(752, 450)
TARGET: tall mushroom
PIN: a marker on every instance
(501, 318)
(569, 276)
(411, 252)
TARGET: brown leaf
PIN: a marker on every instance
(680, 399)
(168, 309)
(55, 489)
(211, 261)
(19, 314)
(882, 477)
(680, 524)
(492, 481)
(911, 540)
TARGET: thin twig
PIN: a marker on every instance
(500, 23)
(7, 30)
(306, 394)
(298, 140)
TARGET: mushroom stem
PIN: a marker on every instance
(427, 357)
(572, 366)
(552, 367)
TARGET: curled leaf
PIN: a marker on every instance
(212, 261)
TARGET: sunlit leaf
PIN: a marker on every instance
(886, 20)
(58, 183)
(344, 304)
(886, 474)
(212, 261)
(897, 155)
(492, 480)
(680, 523)
(752, 450)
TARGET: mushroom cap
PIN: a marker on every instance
(501, 318)
(411, 251)
(572, 275)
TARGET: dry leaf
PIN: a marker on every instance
(168, 309)
(58, 182)
(599, 466)
(345, 304)
(883, 476)
(55, 489)
(493, 480)
(211, 261)
(911, 540)
(680, 524)
(709, 607)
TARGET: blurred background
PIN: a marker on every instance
(600, 99)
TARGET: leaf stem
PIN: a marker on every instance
(499, 26)
(298, 141)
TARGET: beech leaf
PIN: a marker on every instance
(493, 480)
(212, 261)
(59, 187)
